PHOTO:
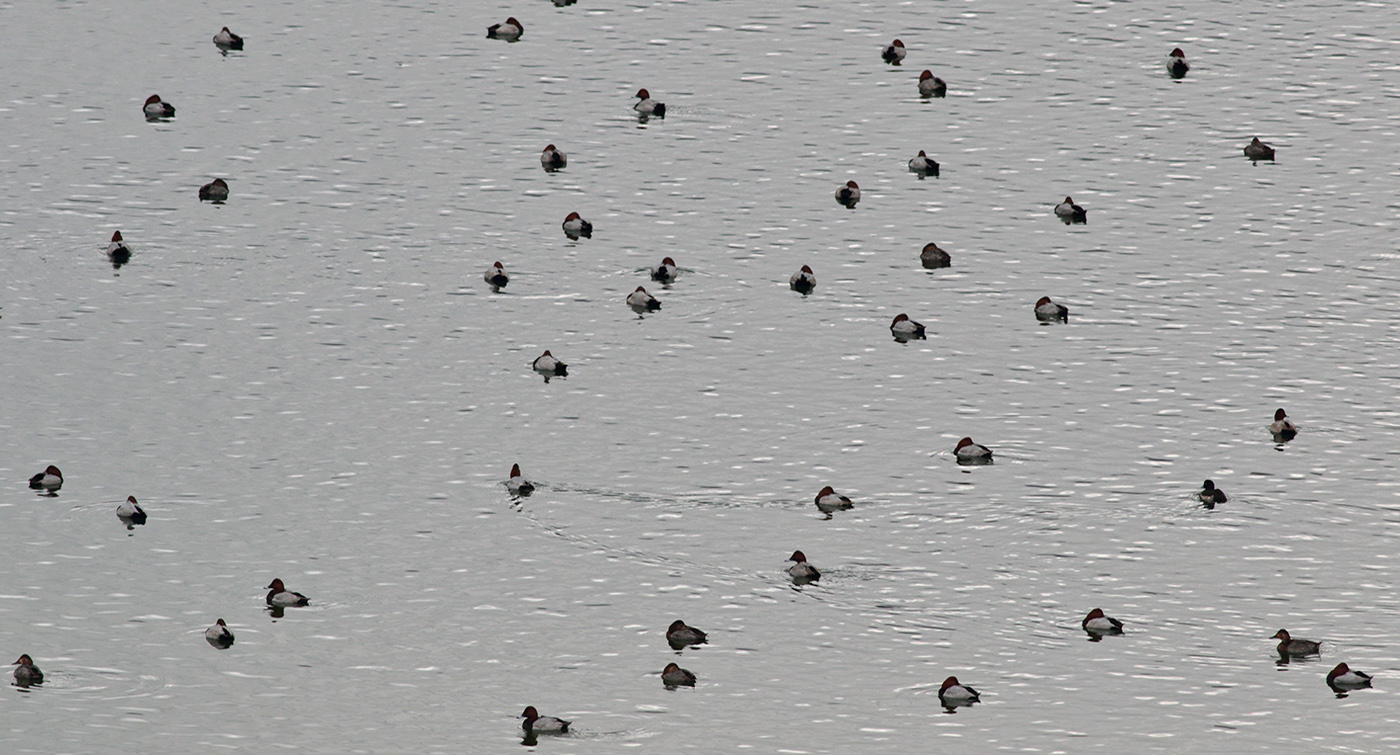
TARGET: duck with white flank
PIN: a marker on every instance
(904, 330)
(510, 30)
(801, 571)
(848, 195)
(548, 365)
(893, 53)
(1047, 310)
(642, 301)
(537, 724)
(130, 512)
(666, 272)
(155, 109)
(1096, 623)
(953, 693)
(828, 500)
(674, 676)
(968, 452)
(517, 484)
(1176, 64)
(932, 86)
(1070, 212)
(219, 635)
(227, 40)
(647, 106)
(48, 480)
(923, 165)
(552, 159)
(280, 597)
(118, 253)
(495, 276)
(1343, 678)
(1283, 428)
(575, 226)
(803, 281)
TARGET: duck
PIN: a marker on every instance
(801, 571)
(552, 159)
(1283, 428)
(117, 252)
(893, 53)
(575, 226)
(1211, 495)
(848, 195)
(517, 484)
(1340, 677)
(1257, 150)
(642, 301)
(219, 635)
(932, 86)
(1097, 623)
(536, 724)
(904, 329)
(154, 108)
(1070, 212)
(1288, 646)
(666, 272)
(227, 40)
(829, 500)
(130, 512)
(214, 191)
(647, 106)
(547, 364)
(803, 281)
(48, 480)
(281, 597)
(680, 635)
(26, 672)
(509, 31)
(923, 165)
(1176, 63)
(496, 276)
(675, 676)
(966, 450)
(932, 257)
(953, 693)
(1045, 309)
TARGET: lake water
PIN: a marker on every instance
(312, 381)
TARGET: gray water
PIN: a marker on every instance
(312, 382)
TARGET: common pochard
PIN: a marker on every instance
(829, 500)
(1097, 623)
(647, 106)
(536, 724)
(510, 30)
(155, 109)
(517, 484)
(1283, 428)
(966, 450)
(552, 159)
(219, 635)
(1176, 64)
(1045, 309)
(848, 195)
(130, 512)
(48, 480)
(953, 693)
(923, 165)
(803, 281)
(666, 272)
(1342, 677)
(1070, 212)
(932, 86)
(117, 252)
(893, 53)
(905, 329)
(575, 227)
(547, 364)
(496, 276)
(801, 571)
(280, 597)
(227, 40)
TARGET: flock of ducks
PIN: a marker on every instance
(679, 635)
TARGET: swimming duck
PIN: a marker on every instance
(675, 676)
(1341, 677)
(932, 257)
(642, 301)
(1283, 428)
(803, 281)
(680, 635)
(966, 450)
(1289, 646)
(1257, 150)
(923, 165)
(214, 191)
(848, 195)
(1049, 310)
(509, 31)
(281, 597)
(552, 159)
(575, 226)
(536, 724)
(227, 40)
(893, 53)
(154, 108)
(932, 86)
(219, 636)
(117, 252)
(26, 672)
(647, 106)
(517, 484)
(496, 276)
(953, 694)
(829, 500)
(48, 480)
(904, 329)
(666, 272)
(1097, 623)
(1070, 212)
(130, 512)
(801, 571)
(547, 364)
(1176, 64)
(1211, 495)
